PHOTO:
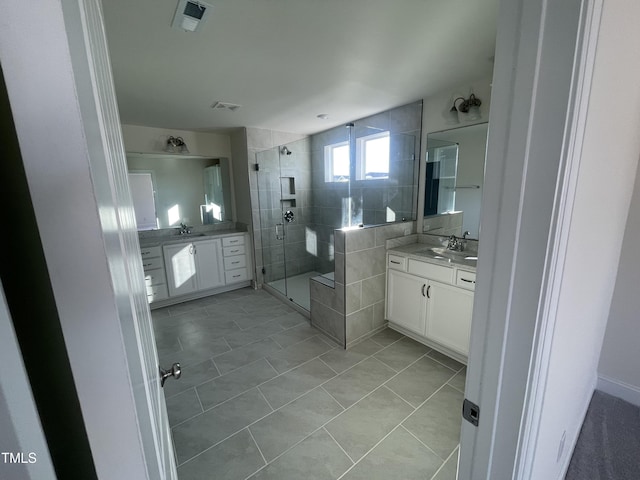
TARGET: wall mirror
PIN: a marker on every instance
(171, 189)
(454, 179)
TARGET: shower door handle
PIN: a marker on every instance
(279, 231)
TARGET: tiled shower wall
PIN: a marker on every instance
(370, 201)
(284, 183)
(354, 308)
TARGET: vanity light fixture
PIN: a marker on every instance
(176, 145)
(470, 106)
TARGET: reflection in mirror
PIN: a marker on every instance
(454, 177)
(171, 189)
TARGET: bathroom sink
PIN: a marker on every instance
(191, 235)
(469, 258)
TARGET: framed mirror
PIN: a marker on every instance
(454, 179)
(171, 189)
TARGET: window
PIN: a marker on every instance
(372, 159)
(336, 162)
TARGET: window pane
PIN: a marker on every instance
(341, 163)
(377, 158)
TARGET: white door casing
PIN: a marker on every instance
(538, 69)
(58, 77)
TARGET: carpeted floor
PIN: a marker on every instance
(608, 447)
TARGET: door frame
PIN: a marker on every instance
(536, 123)
(58, 78)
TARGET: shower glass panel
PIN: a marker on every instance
(290, 241)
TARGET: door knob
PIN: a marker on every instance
(175, 371)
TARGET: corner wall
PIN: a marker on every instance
(618, 370)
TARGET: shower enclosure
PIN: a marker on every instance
(355, 175)
(290, 245)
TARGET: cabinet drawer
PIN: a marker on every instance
(397, 262)
(230, 251)
(154, 277)
(235, 276)
(239, 261)
(231, 241)
(466, 279)
(156, 292)
(429, 270)
(152, 263)
(149, 252)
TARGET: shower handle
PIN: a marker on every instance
(279, 231)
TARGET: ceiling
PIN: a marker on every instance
(286, 61)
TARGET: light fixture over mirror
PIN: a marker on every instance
(176, 145)
(470, 106)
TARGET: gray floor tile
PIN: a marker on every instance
(419, 381)
(258, 304)
(448, 361)
(298, 353)
(227, 386)
(402, 353)
(254, 318)
(238, 294)
(291, 320)
(197, 353)
(180, 308)
(399, 456)
(225, 310)
(160, 313)
(296, 382)
(449, 470)
(437, 422)
(340, 360)
(183, 406)
(211, 328)
(294, 335)
(242, 356)
(244, 337)
(386, 337)
(287, 426)
(355, 383)
(234, 459)
(203, 431)
(192, 375)
(318, 457)
(367, 422)
(459, 380)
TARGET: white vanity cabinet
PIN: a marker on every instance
(193, 266)
(431, 303)
(154, 276)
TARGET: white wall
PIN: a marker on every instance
(605, 183)
(618, 371)
(153, 140)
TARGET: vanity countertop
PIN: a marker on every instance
(424, 252)
(155, 241)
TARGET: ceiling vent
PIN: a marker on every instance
(225, 106)
(190, 15)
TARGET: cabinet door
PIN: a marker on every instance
(209, 268)
(180, 266)
(449, 311)
(405, 301)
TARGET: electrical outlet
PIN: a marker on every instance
(561, 446)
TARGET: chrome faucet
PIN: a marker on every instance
(184, 230)
(454, 243)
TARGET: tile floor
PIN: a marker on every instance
(265, 396)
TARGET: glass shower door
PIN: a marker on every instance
(272, 230)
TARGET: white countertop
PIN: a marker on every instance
(423, 252)
(190, 237)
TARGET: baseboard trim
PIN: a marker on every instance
(617, 388)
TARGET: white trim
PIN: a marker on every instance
(586, 401)
(543, 340)
(618, 388)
